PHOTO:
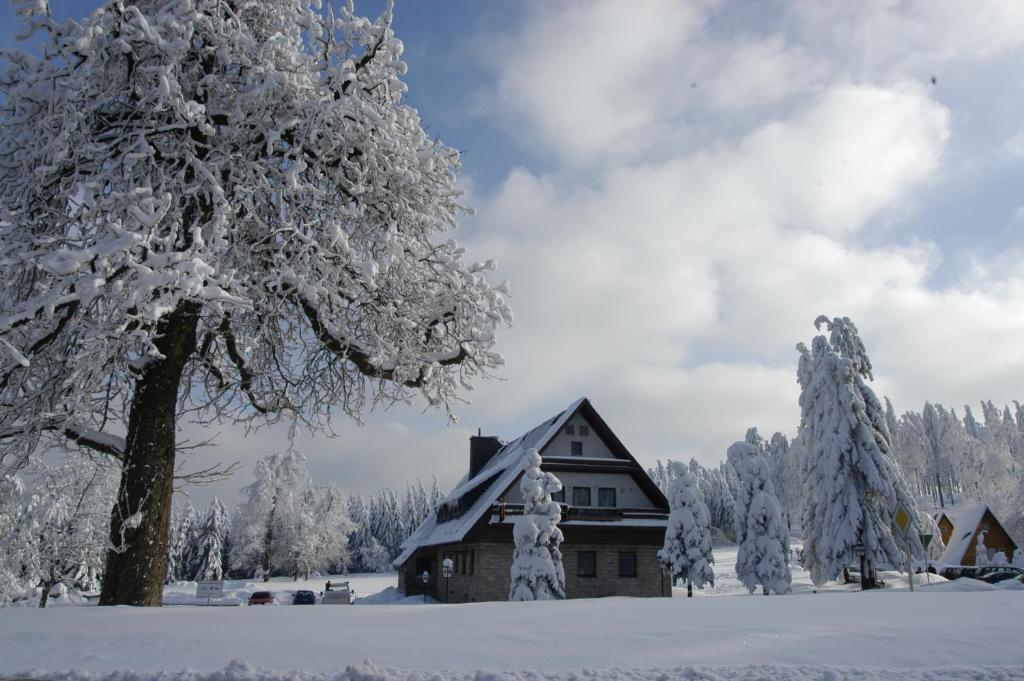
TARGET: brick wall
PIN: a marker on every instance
(485, 577)
(649, 580)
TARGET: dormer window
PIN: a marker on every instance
(576, 448)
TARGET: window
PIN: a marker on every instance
(606, 497)
(586, 563)
(576, 448)
(584, 431)
(581, 496)
(570, 429)
(627, 564)
(423, 564)
(472, 561)
(558, 496)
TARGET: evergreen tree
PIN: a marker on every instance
(537, 573)
(763, 556)
(210, 540)
(687, 551)
(853, 485)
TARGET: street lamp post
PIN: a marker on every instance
(447, 568)
(425, 578)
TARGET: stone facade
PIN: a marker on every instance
(482, 572)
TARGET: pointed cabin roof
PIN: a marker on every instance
(965, 525)
(473, 497)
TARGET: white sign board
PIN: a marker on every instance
(210, 589)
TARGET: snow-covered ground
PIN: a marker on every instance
(936, 633)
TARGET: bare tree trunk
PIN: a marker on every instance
(141, 517)
(45, 596)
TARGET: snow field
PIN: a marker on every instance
(850, 632)
(239, 670)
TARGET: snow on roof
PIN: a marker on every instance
(503, 468)
(964, 525)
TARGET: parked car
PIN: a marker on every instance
(339, 593)
(951, 572)
(304, 598)
(261, 598)
(995, 575)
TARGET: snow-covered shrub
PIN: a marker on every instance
(687, 549)
(537, 573)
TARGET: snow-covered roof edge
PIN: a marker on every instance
(507, 464)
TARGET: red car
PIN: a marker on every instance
(261, 598)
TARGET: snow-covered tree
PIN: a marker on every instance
(763, 556)
(210, 541)
(852, 483)
(981, 551)
(229, 211)
(264, 522)
(1018, 558)
(687, 550)
(537, 573)
(59, 534)
(930, 526)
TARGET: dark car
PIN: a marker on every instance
(304, 598)
(1000, 574)
(261, 598)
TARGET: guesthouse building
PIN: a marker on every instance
(613, 517)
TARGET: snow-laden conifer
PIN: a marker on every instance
(763, 555)
(852, 483)
(687, 551)
(211, 538)
(537, 573)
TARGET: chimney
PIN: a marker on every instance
(482, 449)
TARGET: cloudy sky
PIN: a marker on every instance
(677, 189)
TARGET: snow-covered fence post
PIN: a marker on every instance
(687, 551)
(537, 573)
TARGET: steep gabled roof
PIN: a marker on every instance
(965, 524)
(473, 497)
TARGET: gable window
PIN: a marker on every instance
(558, 496)
(576, 448)
(627, 564)
(581, 496)
(570, 429)
(586, 563)
(584, 431)
(606, 497)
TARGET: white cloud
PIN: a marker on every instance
(593, 81)
(879, 38)
(673, 293)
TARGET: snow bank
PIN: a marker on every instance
(392, 596)
(239, 670)
(911, 631)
